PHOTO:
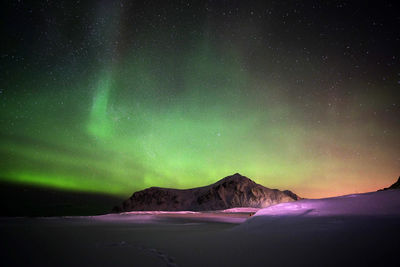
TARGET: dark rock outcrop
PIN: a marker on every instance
(396, 185)
(230, 192)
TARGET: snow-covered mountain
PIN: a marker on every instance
(230, 192)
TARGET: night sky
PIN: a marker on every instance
(115, 96)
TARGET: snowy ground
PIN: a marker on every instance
(354, 230)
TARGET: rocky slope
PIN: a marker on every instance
(396, 185)
(230, 192)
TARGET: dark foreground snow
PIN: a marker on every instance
(354, 230)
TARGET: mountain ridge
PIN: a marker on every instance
(230, 192)
(396, 185)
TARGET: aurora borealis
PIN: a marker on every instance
(116, 96)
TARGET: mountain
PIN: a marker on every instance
(230, 192)
(396, 185)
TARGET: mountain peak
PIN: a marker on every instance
(237, 177)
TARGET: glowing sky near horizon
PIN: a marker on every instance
(116, 97)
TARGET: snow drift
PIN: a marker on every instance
(375, 203)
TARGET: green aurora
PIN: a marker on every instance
(186, 117)
(148, 139)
